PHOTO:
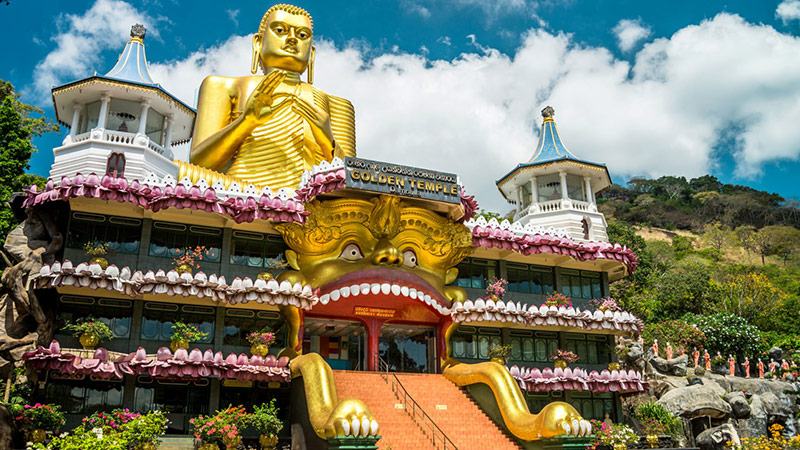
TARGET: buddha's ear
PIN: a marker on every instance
(291, 258)
(311, 64)
(451, 275)
(256, 52)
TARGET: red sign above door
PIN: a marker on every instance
(372, 311)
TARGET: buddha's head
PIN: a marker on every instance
(283, 39)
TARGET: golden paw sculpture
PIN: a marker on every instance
(555, 419)
(330, 416)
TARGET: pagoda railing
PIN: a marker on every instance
(413, 409)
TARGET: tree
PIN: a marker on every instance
(779, 240)
(716, 235)
(745, 235)
(749, 295)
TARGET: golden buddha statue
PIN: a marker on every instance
(266, 130)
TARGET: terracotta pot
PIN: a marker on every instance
(88, 341)
(266, 276)
(268, 441)
(652, 440)
(500, 361)
(36, 436)
(102, 262)
(259, 349)
(208, 446)
(562, 364)
(620, 446)
(183, 268)
(175, 345)
(613, 366)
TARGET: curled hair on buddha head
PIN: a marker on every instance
(291, 9)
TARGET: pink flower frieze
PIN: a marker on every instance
(577, 378)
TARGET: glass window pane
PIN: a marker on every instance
(483, 347)
(123, 115)
(541, 350)
(516, 349)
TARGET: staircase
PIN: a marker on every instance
(449, 407)
(176, 443)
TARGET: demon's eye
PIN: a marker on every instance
(409, 258)
(351, 252)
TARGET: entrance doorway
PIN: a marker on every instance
(407, 348)
(341, 342)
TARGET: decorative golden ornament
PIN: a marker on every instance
(267, 130)
(613, 366)
(259, 349)
(180, 343)
(88, 341)
(620, 446)
(560, 363)
(500, 361)
(208, 446)
(268, 441)
(266, 276)
(183, 268)
(36, 436)
(102, 262)
(652, 440)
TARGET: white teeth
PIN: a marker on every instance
(335, 295)
(365, 288)
(404, 291)
(386, 288)
(395, 289)
(375, 288)
(324, 299)
(412, 293)
(427, 299)
(355, 290)
(345, 291)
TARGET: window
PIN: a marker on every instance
(240, 322)
(529, 279)
(538, 400)
(116, 313)
(88, 117)
(474, 343)
(172, 397)
(123, 115)
(591, 349)
(122, 234)
(255, 249)
(116, 165)
(154, 128)
(593, 406)
(585, 228)
(158, 318)
(529, 346)
(575, 188)
(169, 240)
(83, 396)
(549, 187)
(473, 273)
(581, 284)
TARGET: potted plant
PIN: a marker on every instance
(499, 354)
(38, 419)
(97, 250)
(260, 341)
(496, 290)
(656, 420)
(605, 304)
(221, 428)
(276, 263)
(89, 332)
(617, 436)
(189, 259)
(563, 357)
(144, 432)
(183, 334)
(558, 300)
(265, 419)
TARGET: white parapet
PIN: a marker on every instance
(569, 215)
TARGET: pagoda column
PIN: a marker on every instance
(168, 137)
(76, 117)
(563, 176)
(519, 197)
(143, 116)
(105, 99)
(587, 182)
(534, 191)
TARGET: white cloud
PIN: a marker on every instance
(788, 10)
(477, 115)
(233, 14)
(82, 38)
(630, 32)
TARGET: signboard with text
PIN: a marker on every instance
(400, 180)
(372, 311)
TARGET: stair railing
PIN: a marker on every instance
(413, 409)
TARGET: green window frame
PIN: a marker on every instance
(475, 273)
(83, 396)
(593, 405)
(168, 240)
(530, 279)
(255, 249)
(116, 313)
(240, 322)
(158, 318)
(532, 346)
(172, 397)
(474, 343)
(591, 349)
(581, 284)
(122, 234)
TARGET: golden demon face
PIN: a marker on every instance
(378, 247)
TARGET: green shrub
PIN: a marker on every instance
(652, 411)
(677, 332)
(728, 334)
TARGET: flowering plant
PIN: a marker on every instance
(564, 355)
(728, 334)
(222, 427)
(114, 420)
(605, 304)
(186, 332)
(558, 299)
(500, 351)
(657, 419)
(96, 248)
(40, 417)
(265, 418)
(496, 289)
(146, 428)
(677, 332)
(190, 256)
(776, 441)
(263, 337)
(90, 325)
(615, 434)
(276, 263)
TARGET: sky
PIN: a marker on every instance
(650, 88)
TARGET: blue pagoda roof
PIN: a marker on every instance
(132, 63)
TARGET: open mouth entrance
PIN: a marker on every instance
(341, 342)
(408, 348)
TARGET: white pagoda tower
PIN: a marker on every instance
(122, 123)
(556, 189)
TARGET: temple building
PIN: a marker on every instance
(368, 271)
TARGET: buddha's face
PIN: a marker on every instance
(286, 41)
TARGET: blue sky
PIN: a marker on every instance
(650, 88)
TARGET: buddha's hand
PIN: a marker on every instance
(318, 119)
(259, 105)
(560, 418)
(351, 417)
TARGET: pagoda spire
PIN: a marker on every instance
(550, 147)
(132, 62)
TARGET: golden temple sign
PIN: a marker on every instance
(400, 180)
(371, 311)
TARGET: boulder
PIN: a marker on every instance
(6, 428)
(699, 371)
(756, 424)
(697, 401)
(776, 353)
(717, 438)
(774, 407)
(738, 401)
(675, 366)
